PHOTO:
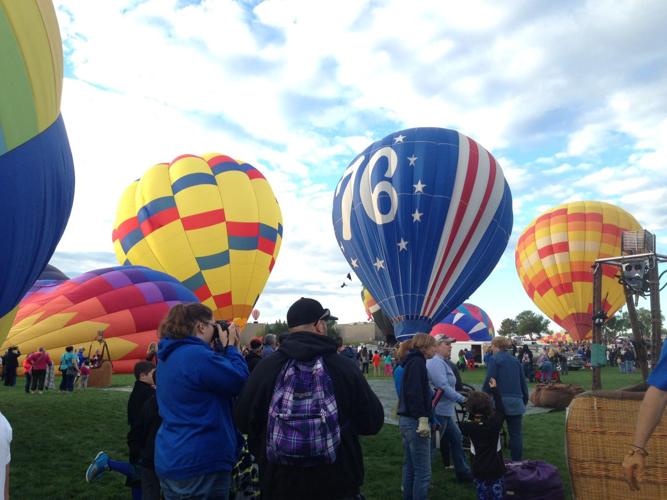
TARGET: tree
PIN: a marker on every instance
(508, 326)
(331, 329)
(531, 324)
(277, 328)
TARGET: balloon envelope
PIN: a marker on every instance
(422, 216)
(466, 323)
(126, 302)
(554, 258)
(381, 320)
(36, 169)
(211, 222)
(255, 314)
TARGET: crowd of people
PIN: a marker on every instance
(281, 417)
(281, 422)
(39, 370)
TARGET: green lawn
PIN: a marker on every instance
(56, 435)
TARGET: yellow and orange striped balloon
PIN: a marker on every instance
(554, 256)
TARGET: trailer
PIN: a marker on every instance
(478, 349)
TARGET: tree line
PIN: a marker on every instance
(533, 325)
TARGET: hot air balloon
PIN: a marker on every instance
(556, 338)
(422, 216)
(554, 256)
(381, 320)
(255, 314)
(466, 323)
(127, 303)
(211, 222)
(50, 277)
(36, 170)
(52, 273)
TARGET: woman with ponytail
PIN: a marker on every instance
(197, 444)
(414, 410)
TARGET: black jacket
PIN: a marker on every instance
(141, 393)
(487, 461)
(415, 397)
(11, 359)
(147, 427)
(359, 413)
(253, 359)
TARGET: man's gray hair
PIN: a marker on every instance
(270, 339)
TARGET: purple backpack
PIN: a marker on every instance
(534, 480)
(303, 427)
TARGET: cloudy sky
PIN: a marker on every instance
(570, 97)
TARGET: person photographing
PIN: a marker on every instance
(200, 373)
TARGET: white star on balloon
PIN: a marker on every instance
(412, 159)
(399, 138)
(402, 245)
(419, 187)
(417, 216)
(355, 263)
(379, 264)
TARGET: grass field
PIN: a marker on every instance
(56, 435)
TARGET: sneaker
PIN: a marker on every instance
(98, 466)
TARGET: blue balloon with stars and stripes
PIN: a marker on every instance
(422, 216)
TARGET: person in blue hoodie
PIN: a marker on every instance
(414, 413)
(513, 390)
(197, 444)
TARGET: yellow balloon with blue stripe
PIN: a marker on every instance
(210, 221)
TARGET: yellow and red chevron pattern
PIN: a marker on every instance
(554, 256)
(211, 222)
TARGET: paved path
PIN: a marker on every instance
(385, 390)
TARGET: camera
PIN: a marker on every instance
(224, 325)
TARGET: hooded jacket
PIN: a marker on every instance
(195, 391)
(359, 412)
(415, 396)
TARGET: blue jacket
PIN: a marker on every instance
(196, 388)
(441, 376)
(511, 381)
(415, 397)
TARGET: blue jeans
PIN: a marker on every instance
(417, 460)
(209, 486)
(516, 436)
(451, 433)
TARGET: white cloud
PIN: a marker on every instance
(298, 88)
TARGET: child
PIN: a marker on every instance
(142, 391)
(27, 373)
(483, 429)
(387, 365)
(85, 372)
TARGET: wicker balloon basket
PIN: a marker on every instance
(101, 376)
(599, 429)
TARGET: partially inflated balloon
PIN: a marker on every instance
(36, 170)
(422, 216)
(127, 302)
(555, 255)
(466, 323)
(556, 338)
(211, 222)
(381, 320)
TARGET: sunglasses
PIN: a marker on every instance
(325, 316)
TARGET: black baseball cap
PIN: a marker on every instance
(305, 311)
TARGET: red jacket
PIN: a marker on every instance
(39, 360)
